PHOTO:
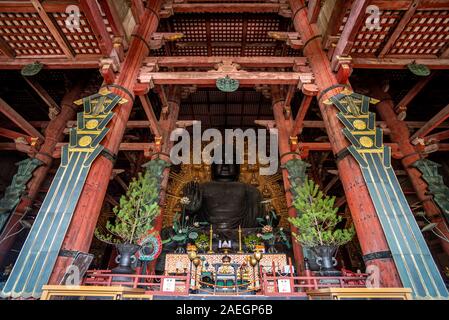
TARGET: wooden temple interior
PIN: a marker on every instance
(164, 57)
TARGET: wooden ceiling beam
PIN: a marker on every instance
(92, 12)
(317, 124)
(153, 123)
(55, 32)
(413, 92)
(226, 7)
(113, 17)
(299, 121)
(53, 107)
(400, 27)
(397, 63)
(433, 123)
(16, 118)
(210, 78)
(124, 146)
(210, 62)
(92, 62)
(439, 136)
(350, 31)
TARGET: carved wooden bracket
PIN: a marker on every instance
(158, 40)
(292, 39)
(344, 69)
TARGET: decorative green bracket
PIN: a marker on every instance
(40, 250)
(411, 255)
(435, 182)
(17, 188)
(296, 169)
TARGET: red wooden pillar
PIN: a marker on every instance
(400, 134)
(82, 227)
(167, 125)
(285, 127)
(369, 231)
(54, 133)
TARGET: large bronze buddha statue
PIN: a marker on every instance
(225, 202)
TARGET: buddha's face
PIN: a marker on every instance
(225, 172)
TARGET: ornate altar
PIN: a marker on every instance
(234, 273)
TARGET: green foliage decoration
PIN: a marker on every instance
(138, 208)
(202, 242)
(251, 241)
(317, 218)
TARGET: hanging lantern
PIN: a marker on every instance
(419, 69)
(227, 84)
(31, 69)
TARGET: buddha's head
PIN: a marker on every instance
(225, 172)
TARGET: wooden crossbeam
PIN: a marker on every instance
(413, 92)
(91, 62)
(55, 32)
(331, 183)
(399, 28)
(210, 62)
(349, 34)
(152, 119)
(299, 121)
(313, 11)
(439, 136)
(210, 78)
(433, 123)
(16, 118)
(124, 146)
(92, 12)
(317, 124)
(226, 7)
(397, 63)
(113, 17)
(13, 135)
(43, 94)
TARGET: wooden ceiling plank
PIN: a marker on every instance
(16, 118)
(355, 21)
(399, 28)
(55, 32)
(433, 123)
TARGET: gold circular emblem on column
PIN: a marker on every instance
(92, 124)
(359, 124)
(85, 141)
(367, 142)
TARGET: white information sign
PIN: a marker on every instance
(284, 286)
(169, 285)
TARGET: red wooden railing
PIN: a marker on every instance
(152, 284)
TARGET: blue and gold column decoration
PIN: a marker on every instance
(409, 250)
(38, 256)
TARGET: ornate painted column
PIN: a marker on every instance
(369, 231)
(80, 233)
(400, 134)
(54, 133)
(81, 182)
